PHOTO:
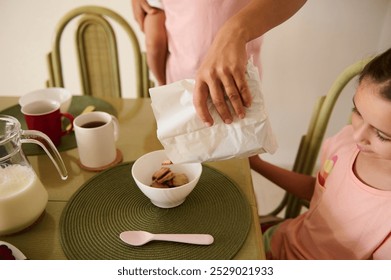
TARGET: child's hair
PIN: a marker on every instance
(378, 70)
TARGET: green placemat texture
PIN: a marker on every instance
(79, 102)
(111, 202)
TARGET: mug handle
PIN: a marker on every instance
(116, 127)
(69, 128)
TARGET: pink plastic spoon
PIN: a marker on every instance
(138, 238)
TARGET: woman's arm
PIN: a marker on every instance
(222, 72)
(298, 184)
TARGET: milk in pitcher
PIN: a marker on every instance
(22, 198)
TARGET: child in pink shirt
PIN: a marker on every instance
(350, 197)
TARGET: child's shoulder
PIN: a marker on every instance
(343, 139)
(344, 136)
(345, 133)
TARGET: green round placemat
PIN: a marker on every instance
(111, 203)
(79, 102)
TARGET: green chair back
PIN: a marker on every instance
(97, 53)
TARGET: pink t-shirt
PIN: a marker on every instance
(346, 220)
(191, 27)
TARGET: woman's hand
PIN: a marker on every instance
(222, 77)
(222, 73)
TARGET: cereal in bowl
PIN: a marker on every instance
(165, 178)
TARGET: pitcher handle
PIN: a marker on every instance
(41, 139)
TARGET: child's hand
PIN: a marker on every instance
(140, 9)
(255, 161)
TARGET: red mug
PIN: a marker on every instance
(45, 116)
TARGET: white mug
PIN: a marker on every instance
(96, 135)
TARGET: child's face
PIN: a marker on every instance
(371, 121)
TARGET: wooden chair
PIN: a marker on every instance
(97, 53)
(310, 144)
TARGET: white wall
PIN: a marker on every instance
(26, 32)
(301, 58)
(385, 38)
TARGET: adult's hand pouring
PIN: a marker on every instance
(222, 78)
(221, 75)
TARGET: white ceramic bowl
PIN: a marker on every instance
(145, 166)
(61, 95)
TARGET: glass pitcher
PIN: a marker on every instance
(22, 195)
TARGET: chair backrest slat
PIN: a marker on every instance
(97, 53)
(98, 57)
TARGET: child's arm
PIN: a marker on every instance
(156, 45)
(141, 9)
(298, 184)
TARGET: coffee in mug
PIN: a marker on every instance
(93, 124)
(96, 136)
